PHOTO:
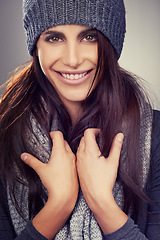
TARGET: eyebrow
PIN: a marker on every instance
(60, 33)
(87, 31)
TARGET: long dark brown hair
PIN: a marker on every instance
(113, 104)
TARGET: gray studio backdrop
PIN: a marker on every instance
(141, 53)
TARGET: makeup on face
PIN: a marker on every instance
(68, 56)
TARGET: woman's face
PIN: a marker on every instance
(68, 56)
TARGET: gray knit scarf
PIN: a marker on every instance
(82, 224)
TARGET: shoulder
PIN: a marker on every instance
(156, 117)
(155, 144)
(156, 130)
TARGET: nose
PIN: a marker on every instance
(72, 56)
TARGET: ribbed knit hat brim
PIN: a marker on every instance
(107, 16)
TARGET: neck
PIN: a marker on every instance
(75, 111)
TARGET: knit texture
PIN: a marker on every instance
(81, 224)
(107, 16)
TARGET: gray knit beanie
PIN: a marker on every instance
(108, 16)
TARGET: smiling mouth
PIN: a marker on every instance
(74, 76)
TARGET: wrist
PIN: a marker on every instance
(108, 214)
(52, 217)
(61, 203)
(97, 200)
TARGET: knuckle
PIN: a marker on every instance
(54, 134)
(92, 131)
(59, 133)
(88, 132)
(117, 147)
(117, 144)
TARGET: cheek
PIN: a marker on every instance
(89, 52)
(95, 59)
(94, 55)
(48, 57)
(44, 60)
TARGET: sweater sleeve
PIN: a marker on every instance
(131, 231)
(6, 227)
(30, 233)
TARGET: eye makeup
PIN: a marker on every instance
(88, 35)
(54, 36)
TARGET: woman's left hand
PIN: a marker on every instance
(97, 174)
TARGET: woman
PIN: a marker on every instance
(64, 117)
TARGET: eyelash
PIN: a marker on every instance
(59, 39)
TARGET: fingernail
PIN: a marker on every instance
(120, 137)
(24, 157)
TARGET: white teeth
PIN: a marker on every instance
(73, 76)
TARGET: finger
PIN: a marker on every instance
(67, 147)
(116, 147)
(31, 161)
(90, 138)
(57, 139)
(81, 145)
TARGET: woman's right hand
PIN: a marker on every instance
(59, 177)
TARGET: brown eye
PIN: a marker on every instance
(54, 39)
(90, 38)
